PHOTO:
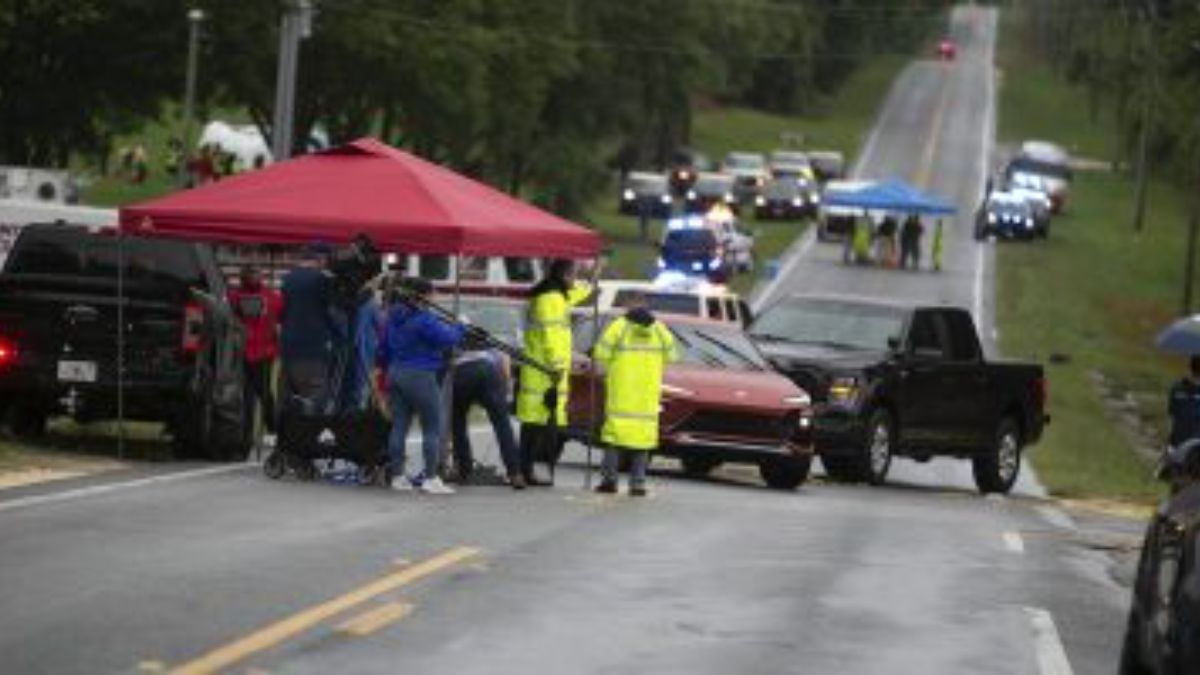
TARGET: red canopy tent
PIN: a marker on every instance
(402, 202)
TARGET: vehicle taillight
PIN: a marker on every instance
(8, 352)
(193, 327)
(1041, 392)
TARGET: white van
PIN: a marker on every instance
(688, 298)
(486, 275)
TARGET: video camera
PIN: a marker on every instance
(352, 267)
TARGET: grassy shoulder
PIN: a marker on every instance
(841, 123)
(1094, 295)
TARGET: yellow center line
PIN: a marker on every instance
(285, 629)
(372, 620)
(935, 135)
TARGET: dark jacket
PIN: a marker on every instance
(307, 328)
(1183, 406)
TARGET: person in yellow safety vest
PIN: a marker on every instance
(634, 351)
(862, 241)
(548, 341)
(937, 247)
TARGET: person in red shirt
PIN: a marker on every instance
(259, 308)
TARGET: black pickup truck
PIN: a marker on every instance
(903, 380)
(182, 345)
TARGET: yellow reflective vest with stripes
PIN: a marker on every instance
(634, 357)
(548, 341)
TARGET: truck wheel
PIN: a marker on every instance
(997, 470)
(698, 466)
(876, 459)
(785, 473)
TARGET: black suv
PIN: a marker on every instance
(180, 342)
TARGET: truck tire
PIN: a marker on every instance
(996, 471)
(876, 458)
(785, 473)
(698, 466)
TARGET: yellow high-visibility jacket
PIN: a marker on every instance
(548, 341)
(634, 358)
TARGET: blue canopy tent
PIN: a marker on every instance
(890, 195)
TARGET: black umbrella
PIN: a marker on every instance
(1181, 337)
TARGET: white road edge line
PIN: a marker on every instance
(1013, 542)
(985, 157)
(1051, 655)
(68, 495)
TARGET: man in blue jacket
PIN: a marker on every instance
(412, 354)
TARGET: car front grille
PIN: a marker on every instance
(742, 424)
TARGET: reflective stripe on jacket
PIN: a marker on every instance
(548, 341)
(634, 357)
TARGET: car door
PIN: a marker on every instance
(919, 381)
(970, 395)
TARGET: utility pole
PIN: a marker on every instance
(294, 26)
(1149, 86)
(195, 18)
(1189, 262)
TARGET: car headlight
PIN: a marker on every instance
(802, 399)
(816, 198)
(691, 194)
(628, 195)
(713, 264)
(992, 218)
(697, 266)
(796, 201)
(760, 200)
(844, 391)
(729, 198)
(666, 199)
(805, 422)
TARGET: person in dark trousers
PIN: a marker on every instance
(481, 377)
(259, 308)
(1183, 405)
(307, 335)
(910, 242)
(412, 355)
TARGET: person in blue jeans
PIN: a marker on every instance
(412, 354)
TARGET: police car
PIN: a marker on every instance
(1007, 216)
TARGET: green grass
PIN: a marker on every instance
(1095, 292)
(841, 123)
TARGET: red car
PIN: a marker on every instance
(947, 50)
(722, 402)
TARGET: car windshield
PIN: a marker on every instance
(739, 161)
(782, 189)
(690, 239)
(714, 184)
(838, 324)
(647, 184)
(711, 346)
(502, 320)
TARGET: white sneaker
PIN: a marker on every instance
(402, 484)
(268, 441)
(435, 486)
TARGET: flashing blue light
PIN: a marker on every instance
(662, 264)
(714, 264)
(697, 266)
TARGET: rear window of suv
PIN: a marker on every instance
(72, 252)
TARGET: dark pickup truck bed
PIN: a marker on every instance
(59, 340)
(903, 380)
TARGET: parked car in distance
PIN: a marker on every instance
(182, 342)
(686, 166)
(1033, 190)
(790, 164)
(947, 50)
(1162, 633)
(693, 252)
(907, 380)
(1008, 216)
(1051, 162)
(828, 164)
(648, 193)
(749, 171)
(787, 199)
(677, 294)
(710, 189)
(722, 403)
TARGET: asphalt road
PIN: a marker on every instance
(224, 570)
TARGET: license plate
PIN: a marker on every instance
(77, 371)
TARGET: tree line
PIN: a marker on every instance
(539, 97)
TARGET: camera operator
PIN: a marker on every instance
(307, 334)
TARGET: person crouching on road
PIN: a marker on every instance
(542, 398)
(482, 376)
(411, 354)
(634, 351)
(259, 308)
